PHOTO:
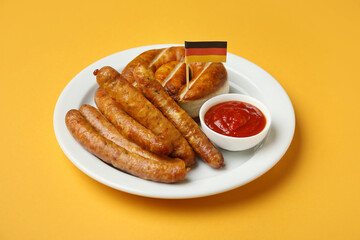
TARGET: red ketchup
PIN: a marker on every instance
(235, 119)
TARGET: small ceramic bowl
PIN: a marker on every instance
(234, 143)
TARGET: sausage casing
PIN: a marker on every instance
(129, 127)
(134, 103)
(109, 131)
(109, 152)
(153, 90)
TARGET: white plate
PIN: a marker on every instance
(241, 167)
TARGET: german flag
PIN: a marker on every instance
(214, 51)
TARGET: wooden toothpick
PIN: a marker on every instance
(187, 76)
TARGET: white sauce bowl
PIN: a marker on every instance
(234, 143)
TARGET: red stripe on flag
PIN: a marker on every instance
(205, 51)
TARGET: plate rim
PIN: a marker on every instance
(174, 195)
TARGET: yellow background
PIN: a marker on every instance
(310, 47)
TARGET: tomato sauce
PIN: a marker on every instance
(235, 119)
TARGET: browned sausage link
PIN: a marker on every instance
(92, 141)
(153, 90)
(134, 103)
(144, 58)
(205, 82)
(170, 54)
(107, 130)
(171, 80)
(153, 58)
(129, 127)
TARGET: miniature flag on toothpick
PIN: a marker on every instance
(214, 51)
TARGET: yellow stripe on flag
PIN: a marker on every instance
(205, 58)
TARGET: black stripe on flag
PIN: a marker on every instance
(212, 44)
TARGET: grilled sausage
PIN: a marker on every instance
(134, 103)
(109, 131)
(153, 90)
(172, 76)
(206, 80)
(129, 127)
(154, 59)
(109, 152)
